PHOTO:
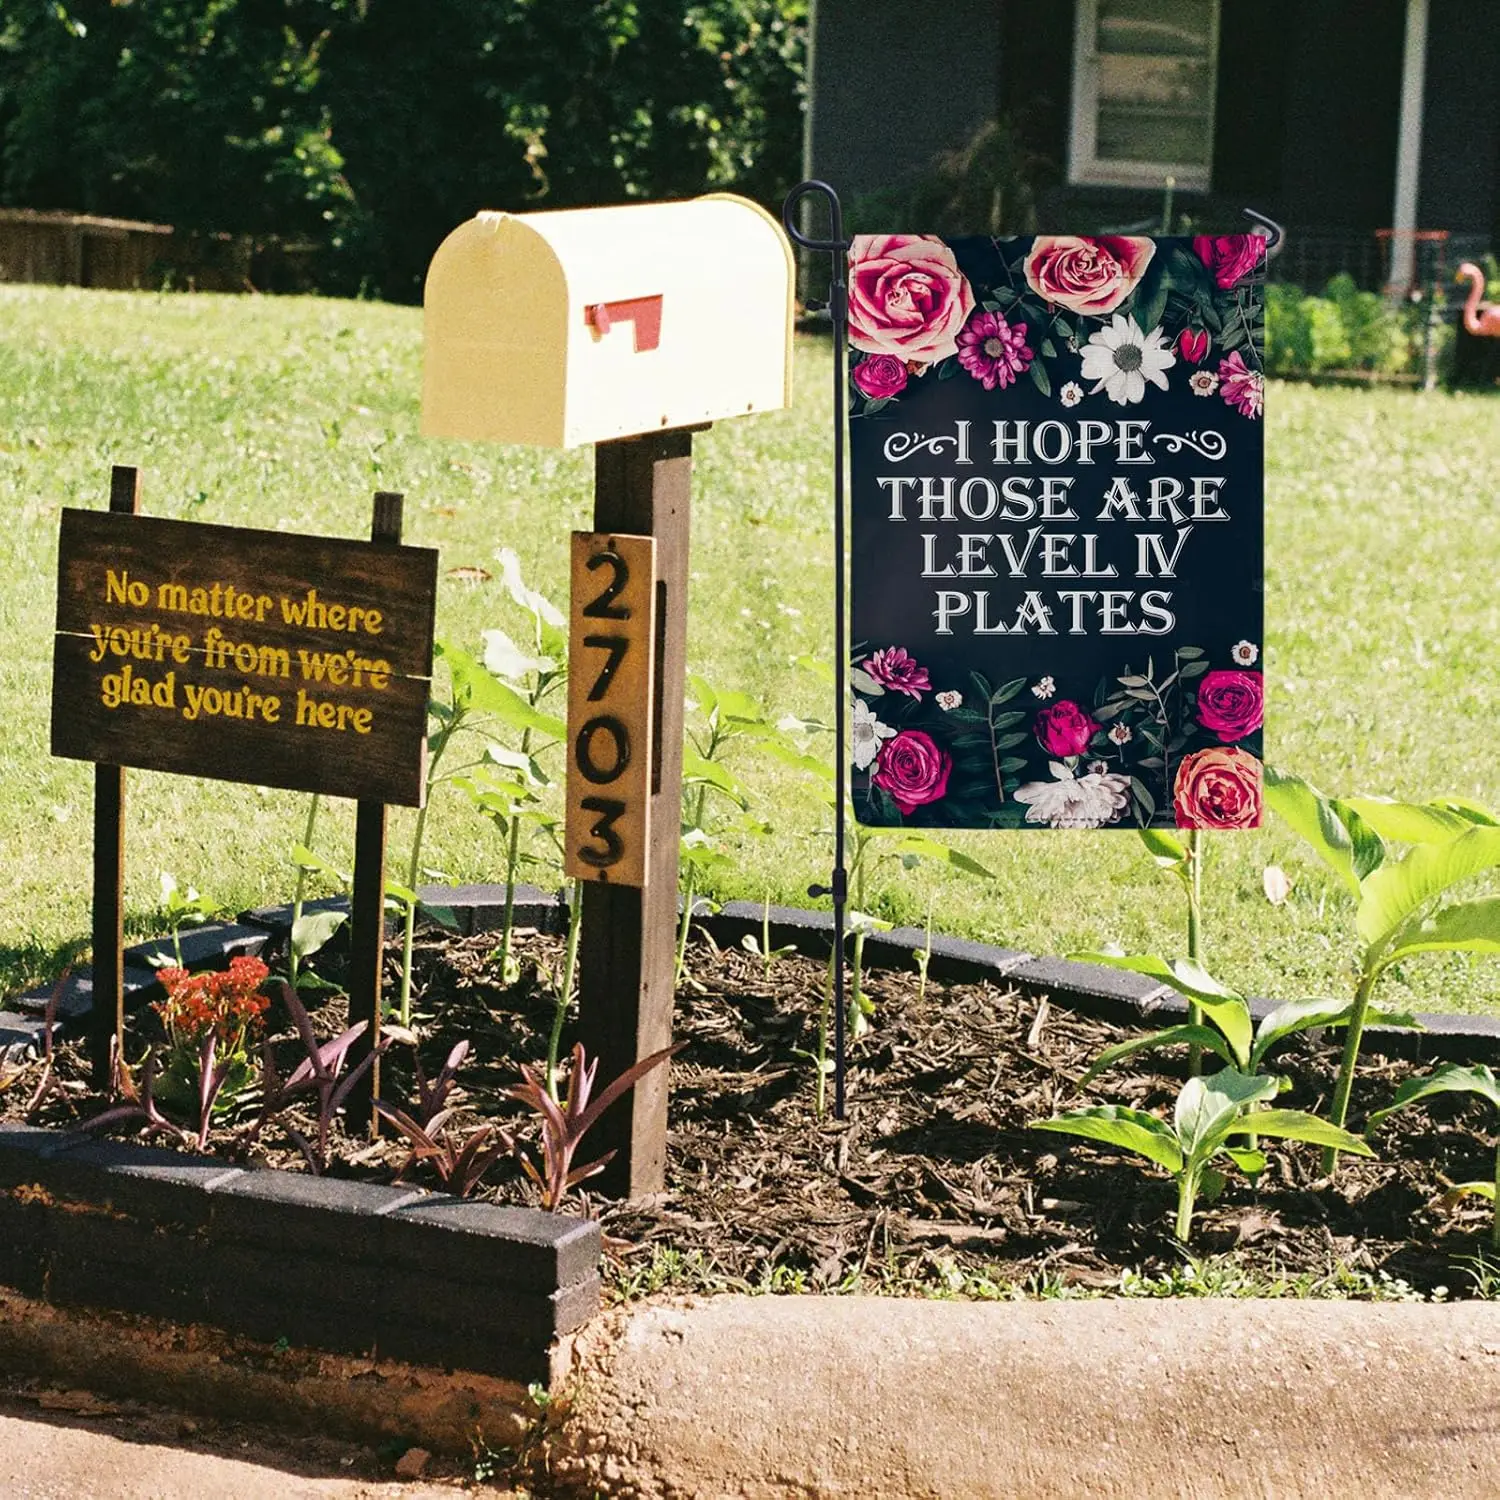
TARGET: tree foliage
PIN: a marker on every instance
(373, 127)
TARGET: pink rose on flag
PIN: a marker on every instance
(1086, 275)
(1217, 788)
(912, 769)
(1229, 256)
(1062, 728)
(1231, 704)
(907, 297)
(879, 376)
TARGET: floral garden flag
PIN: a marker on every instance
(1057, 462)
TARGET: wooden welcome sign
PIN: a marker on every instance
(244, 655)
(1056, 448)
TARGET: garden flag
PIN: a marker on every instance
(1056, 584)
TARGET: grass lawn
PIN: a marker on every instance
(1383, 537)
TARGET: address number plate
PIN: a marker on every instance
(611, 675)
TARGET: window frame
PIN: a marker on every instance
(1085, 166)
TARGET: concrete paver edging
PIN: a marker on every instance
(761, 1397)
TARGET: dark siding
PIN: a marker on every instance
(1460, 186)
(1036, 88)
(1249, 116)
(1343, 108)
(892, 86)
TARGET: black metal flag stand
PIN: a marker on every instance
(836, 247)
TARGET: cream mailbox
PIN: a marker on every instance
(595, 323)
(627, 328)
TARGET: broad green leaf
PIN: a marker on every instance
(313, 929)
(305, 859)
(863, 924)
(1116, 1125)
(862, 682)
(1467, 807)
(742, 708)
(1170, 1037)
(1165, 848)
(488, 694)
(1467, 926)
(1395, 892)
(702, 693)
(1222, 1006)
(697, 771)
(535, 604)
(1409, 822)
(1302, 1015)
(1298, 1125)
(1312, 816)
(813, 765)
(506, 659)
(1207, 1108)
(1451, 1078)
(1249, 1161)
(1463, 1189)
(930, 848)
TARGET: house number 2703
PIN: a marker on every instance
(611, 675)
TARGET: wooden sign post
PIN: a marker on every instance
(627, 952)
(256, 656)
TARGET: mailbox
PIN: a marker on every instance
(587, 324)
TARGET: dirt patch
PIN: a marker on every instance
(934, 1182)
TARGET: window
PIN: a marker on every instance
(1143, 92)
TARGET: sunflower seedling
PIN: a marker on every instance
(1208, 1114)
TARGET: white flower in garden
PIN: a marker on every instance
(1120, 734)
(1120, 360)
(1203, 383)
(866, 733)
(1071, 394)
(1044, 688)
(1244, 653)
(1076, 802)
(1098, 767)
(949, 701)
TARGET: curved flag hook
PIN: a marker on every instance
(835, 247)
(1277, 233)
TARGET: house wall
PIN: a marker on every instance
(1460, 182)
(890, 86)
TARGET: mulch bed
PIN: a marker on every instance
(934, 1181)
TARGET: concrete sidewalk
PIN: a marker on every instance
(762, 1397)
(106, 1451)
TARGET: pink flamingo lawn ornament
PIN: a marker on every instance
(1480, 318)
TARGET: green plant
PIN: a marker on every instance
(1183, 858)
(475, 697)
(210, 1020)
(726, 719)
(459, 1160)
(761, 947)
(1231, 1032)
(314, 930)
(1451, 1078)
(564, 1124)
(1400, 912)
(1208, 1113)
(182, 908)
(506, 787)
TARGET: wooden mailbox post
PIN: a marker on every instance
(629, 328)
